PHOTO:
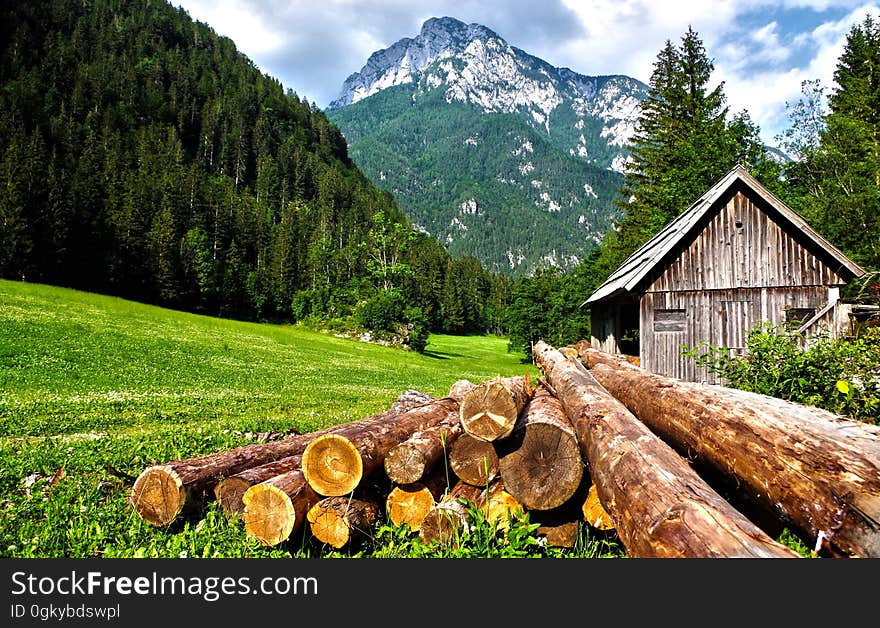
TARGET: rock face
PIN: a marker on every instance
(473, 65)
(494, 152)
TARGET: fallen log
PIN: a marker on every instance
(500, 507)
(334, 464)
(818, 472)
(162, 492)
(337, 521)
(474, 460)
(448, 521)
(489, 411)
(543, 467)
(409, 461)
(229, 491)
(409, 503)
(277, 508)
(660, 507)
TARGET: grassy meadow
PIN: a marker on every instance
(93, 389)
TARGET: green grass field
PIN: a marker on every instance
(95, 388)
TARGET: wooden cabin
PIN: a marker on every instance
(736, 257)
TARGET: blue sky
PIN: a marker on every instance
(761, 50)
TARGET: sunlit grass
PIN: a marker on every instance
(93, 389)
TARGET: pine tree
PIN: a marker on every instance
(684, 142)
(841, 198)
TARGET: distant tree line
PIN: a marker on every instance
(144, 156)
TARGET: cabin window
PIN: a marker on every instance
(797, 316)
(669, 320)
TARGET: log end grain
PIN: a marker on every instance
(501, 507)
(409, 504)
(229, 494)
(158, 495)
(332, 465)
(559, 535)
(328, 526)
(488, 411)
(594, 513)
(473, 460)
(444, 524)
(269, 514)
(404, 464)
(545, 470)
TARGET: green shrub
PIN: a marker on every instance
(841, 375)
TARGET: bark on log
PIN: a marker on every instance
(162, 492)
(474, 460)
(460, 388)
(817, 471)
(490, 410)
(229, 491)
(277, 508)
(544, 467)
(448, 521)
(659, 505)
(334, 464)
(409, 461)
(337, 521)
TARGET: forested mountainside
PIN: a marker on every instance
(492, 151)
(144, 156)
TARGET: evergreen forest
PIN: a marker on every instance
(143, 156)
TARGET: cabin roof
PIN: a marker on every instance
(638, 265)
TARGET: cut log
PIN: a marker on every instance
(489, 412)
(334, 464)
(336, 521)
(563, 534)
(817, 471)
(229, 491)
(449, 520)
(595, 513)
(409, 461)
(162, 492)
(460, 388)
(277, 508)
(660, 507)
(474, 460)
(500, 507)
(543, 468)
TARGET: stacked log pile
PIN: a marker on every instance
(597, 442)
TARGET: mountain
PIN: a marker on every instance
(493, 151)
(144, 156)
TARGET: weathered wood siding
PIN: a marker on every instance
(723, 318)
(742, 247)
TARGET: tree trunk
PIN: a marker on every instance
(474, 460)
(229, 491)
(543, 468)
(448, 521)
(660, 507)
(410, 460)
(334, 464)
(490, 410)
(817, 471)
(277, 508)
(338, 520)
(162, 492)
(409, 503)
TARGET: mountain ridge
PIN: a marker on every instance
(450, 121)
